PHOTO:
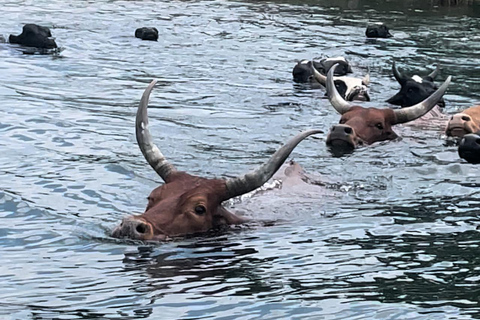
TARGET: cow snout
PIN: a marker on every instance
(133, 228)
(459, 125)
(341, 135)
(469, 148)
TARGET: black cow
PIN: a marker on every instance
(414, 89)
(303, 73)
(147, 33)
(469, 147)
(34, 36)
(377, 30)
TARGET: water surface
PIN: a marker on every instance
(389, 232)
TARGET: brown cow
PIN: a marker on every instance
(360, 125)
(188, 204)
(465, 122)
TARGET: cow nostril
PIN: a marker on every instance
(348, 130)
(465, 118)
(141, 228)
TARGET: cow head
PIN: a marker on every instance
(413, 89)
(146, 33)
(187, 204)
(348, 87)
(377, 30)
(302, 72)
(360, 125)
(34, 36)
(464, 122)
(469, 147)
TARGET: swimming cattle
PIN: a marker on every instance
(465, 122)
(377, 30)
(187, 204)
(349, 88)
(34, 36)
(302, 72)
(360, 125)
(414, 89)
(469, 147)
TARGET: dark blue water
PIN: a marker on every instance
(389, 232)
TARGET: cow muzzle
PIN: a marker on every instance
(342, 138)
(469, 148)
(459, 125)
(358, 93)
(135, 229)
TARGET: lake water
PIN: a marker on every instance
(388, 232)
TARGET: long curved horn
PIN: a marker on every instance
(255, 179)
(418, 110)
(398, 75)
(318, 76)
(144, 139)
(334, 97)
(434, 73)
(366, 79)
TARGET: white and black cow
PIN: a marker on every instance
(350, 88)
(469, 147)
(414, 89)
(303, 73)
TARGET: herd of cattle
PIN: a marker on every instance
(188, 204)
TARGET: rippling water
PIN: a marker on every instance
(389, 232)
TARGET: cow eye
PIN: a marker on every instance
(200, 210)
(379, 126)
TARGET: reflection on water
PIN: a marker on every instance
(388, 231)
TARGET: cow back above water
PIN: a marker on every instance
(302, 72)
(188, 204)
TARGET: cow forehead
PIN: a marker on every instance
(349, 81)
(417, 79)
(368, 115)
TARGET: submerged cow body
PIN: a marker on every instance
(188, 204)
(359, 125)
(303, 73)
(34, 36)
(465, 122)
(469, 147)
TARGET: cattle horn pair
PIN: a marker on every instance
(401, 78)
(235, 186)
(402, 115)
